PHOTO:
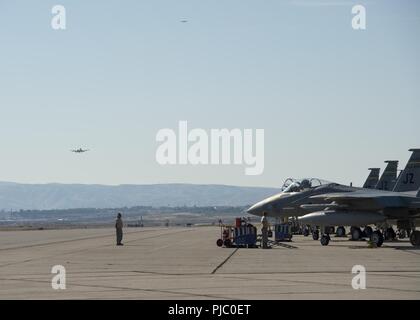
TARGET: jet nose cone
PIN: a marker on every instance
(256, 209)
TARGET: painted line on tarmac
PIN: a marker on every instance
(226, 260)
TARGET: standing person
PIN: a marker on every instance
(264, 230)
(119, 227)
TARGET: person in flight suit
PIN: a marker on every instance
(264, 231)
(119, 227)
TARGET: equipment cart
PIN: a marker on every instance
(243, 235)
(282, 232)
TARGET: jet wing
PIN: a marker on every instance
(369, 200)
(365, 194)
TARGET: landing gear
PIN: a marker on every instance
(341, 232)
(356, 233)
(315, 235)
(329, 230)
(390, 234)
(377, 238)
(368, 231)
(415, 238)
(325, 239)
(404, 228)
(305, 232)
(402, 234)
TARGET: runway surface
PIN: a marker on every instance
(185, 263)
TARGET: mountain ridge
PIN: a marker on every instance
(16, 196)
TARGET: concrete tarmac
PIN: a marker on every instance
(185, 263)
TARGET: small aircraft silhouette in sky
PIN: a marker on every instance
(80, 150)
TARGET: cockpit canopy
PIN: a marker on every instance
(298, 185)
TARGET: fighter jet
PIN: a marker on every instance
(299, 198)
(364, 207)
(80, 150)
(299, 188)
(295, 193)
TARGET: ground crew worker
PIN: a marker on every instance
(264, 230)
(119, 227)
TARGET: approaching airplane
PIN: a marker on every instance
(350, 206)
(80, 150)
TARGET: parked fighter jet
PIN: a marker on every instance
(363, 207)
(294, 194)
(80, 150)
(302, 197)
(296, 187)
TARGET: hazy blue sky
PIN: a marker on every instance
(333, 101)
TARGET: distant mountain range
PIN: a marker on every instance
(16, 196)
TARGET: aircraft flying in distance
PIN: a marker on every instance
(80, 150)
(184, 21)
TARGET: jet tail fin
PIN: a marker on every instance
(409, 179)
(372, 179)
(389, 177)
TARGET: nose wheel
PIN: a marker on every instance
(377, 238)
(325, 239)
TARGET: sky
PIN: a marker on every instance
(332, 101)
